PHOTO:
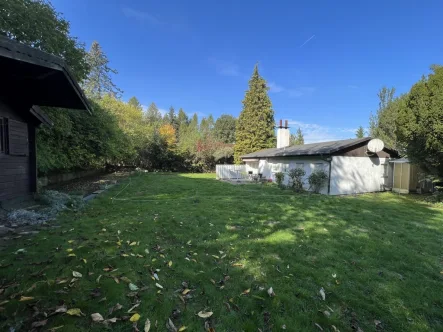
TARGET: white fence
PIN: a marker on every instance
(230, 171)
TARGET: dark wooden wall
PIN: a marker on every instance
(15, 178)
(360, 151)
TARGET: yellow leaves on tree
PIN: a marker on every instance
(167, 131)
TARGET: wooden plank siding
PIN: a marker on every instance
(14, 167)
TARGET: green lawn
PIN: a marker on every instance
(219, 248)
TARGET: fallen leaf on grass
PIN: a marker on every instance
(118, 306)
(98, 279)
(75, 312)
(97, 317)
(133, 287)
(125, 279)
(186, 291)
(319, 327)
(158, 285)
(246, 292)
(170, 326)
(132, 243)
(61, 309)
(322, 293)
(133, 307)
(271, 292)
(183, 328)
(55, 328)
(40, 323)
(134, 318)
(205, 314)
(76, 274)
(170, 263)
(110, 320)
(147, 325)
(25, 298)
(4, 302)
(237, 264)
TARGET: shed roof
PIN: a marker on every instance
(38, 77)
(313, 149)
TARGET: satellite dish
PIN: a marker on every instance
(375, 145)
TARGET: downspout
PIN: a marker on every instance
(329, 160)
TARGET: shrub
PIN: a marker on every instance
(296, 176)
(279, 178)
(317, 180)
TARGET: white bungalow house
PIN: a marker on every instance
(351, 165)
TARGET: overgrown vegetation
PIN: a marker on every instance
(216, 247)
(317, 180)
(296, 179)
(279, 178)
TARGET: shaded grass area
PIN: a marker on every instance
(378, 257)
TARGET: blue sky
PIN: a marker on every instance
(324, 60)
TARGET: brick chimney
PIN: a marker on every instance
(283, 135)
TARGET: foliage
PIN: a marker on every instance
(298, 138)
(133, 101)
(167, 132)
(317, 179)
(99, 81)
(37, 24)
(224, 128)
(383, 124)
(296, 175)
(279, 178)
(360, 133)
(153, 115)
(80, 141)
(420, 123)
(224, 154)
(255, 125)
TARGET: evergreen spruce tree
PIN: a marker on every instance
(255, 125)
(153, 115)
(133, 101)
(360, 133)
(99, 81)
(298, 138)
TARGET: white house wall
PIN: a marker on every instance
(350, 175)
(268, 167)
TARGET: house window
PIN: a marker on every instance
(318, 167)
(4, 135)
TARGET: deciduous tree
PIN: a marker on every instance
(224, 128)
(298, 138)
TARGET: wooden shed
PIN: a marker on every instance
(29, 78)
(405, 177)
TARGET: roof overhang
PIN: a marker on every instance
(251, 159)
(40, 116)
(39, 78)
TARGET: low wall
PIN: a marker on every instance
(64, 177)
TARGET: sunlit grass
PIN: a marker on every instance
(378, 257)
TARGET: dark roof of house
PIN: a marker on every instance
(313, 149)
(43, 79)
(41, 116)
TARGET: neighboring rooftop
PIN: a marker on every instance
(313, 149)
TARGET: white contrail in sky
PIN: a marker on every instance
(307, 41)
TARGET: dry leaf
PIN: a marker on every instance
(98, 279)
(110, 320)
(40, 323)
(271, 292)
(320, 328)
(170, 263)
(133, 307)
(156, 276)
(170, 326)
(159, 286)
(76, 274)
(125, 279)
(133, 287)
(75, 312)
(55, 328)
(183, 328)
(97, 317)
(205, 314)
(322, 293)
(132, 243)
(61, 309)
(186, 291)
(246, 292)
(147, 325)
(134, 318)
(69, 250)
(26, 298)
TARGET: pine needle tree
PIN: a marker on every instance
(255, 125)
(298, 138)
(99, 81)
(360, 133)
